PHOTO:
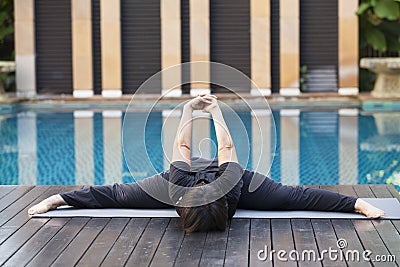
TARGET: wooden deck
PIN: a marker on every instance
(161, 241)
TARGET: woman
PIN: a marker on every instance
(206, 194)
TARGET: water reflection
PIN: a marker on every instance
(312, 147)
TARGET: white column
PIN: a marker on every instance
(290, 141)
(171, 120)
(110, 27)
(170, 15)
(289, 47)
(112, 146)
(348, 146)
(348, 47)
(83, 139)
(199, 46)
(201, 135)
(260, 47)
(25, 57)
(261, 140)
(27, 149)
(82, 63)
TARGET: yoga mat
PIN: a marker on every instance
(391, 206)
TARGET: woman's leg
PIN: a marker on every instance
(301, 198)
(271, 195)
(108, 196)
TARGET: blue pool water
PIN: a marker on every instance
(312, 147)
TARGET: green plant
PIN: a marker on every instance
(6, 19)
(380, 24)
(304, 78)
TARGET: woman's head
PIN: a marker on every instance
(209, 217)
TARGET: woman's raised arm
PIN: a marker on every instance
(182, 143)
(226, 147)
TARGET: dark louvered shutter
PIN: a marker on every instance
(275, 43)
(96, 46)
(53, 46)
(230, 39)
(319, 44)
(185, 43)
(141, 43)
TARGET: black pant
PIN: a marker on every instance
(270, 195)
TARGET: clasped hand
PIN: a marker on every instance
(203, 102)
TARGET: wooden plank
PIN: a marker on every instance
(148, 243)
(393, 191)
(126, 242)
(36, 243)
(103, 242)
(311, 185)
(59, 242)
(18, 239)
(21, 203)
(6, 189)
(260, 239)
(14, 223)
(380, 190)
(363, 190)
(169, 245)
(282, 239)
(191, 249)
(332, 188)
(386, 230)
(304, 240)
(214, 249)
(345, 230)
(77, 247)
(371, 240)
(13, 196)
(326, 238)
(19, 229)
(237, 249)
(389, 235)
(347, 190)
(396, 224)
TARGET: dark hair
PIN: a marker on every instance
(209, 217)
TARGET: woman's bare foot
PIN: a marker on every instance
(368, 210)
(49, 203)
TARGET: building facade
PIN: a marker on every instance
(110, 47)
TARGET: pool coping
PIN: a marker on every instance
(362, 101)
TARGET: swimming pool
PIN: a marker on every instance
(312, 147)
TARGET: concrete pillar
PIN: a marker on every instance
(260, 46)
(83, 139)
(289, 47)
(348, 47)
(112, 146)
(290, 146)
(348, 146)
(171, 46)
(199, 46)
(27, 149)
(24, 32)
(171, 120)
(82, 64)
(110, 27)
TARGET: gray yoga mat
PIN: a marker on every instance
(391, 206)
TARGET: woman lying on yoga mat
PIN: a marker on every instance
(196, 187)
